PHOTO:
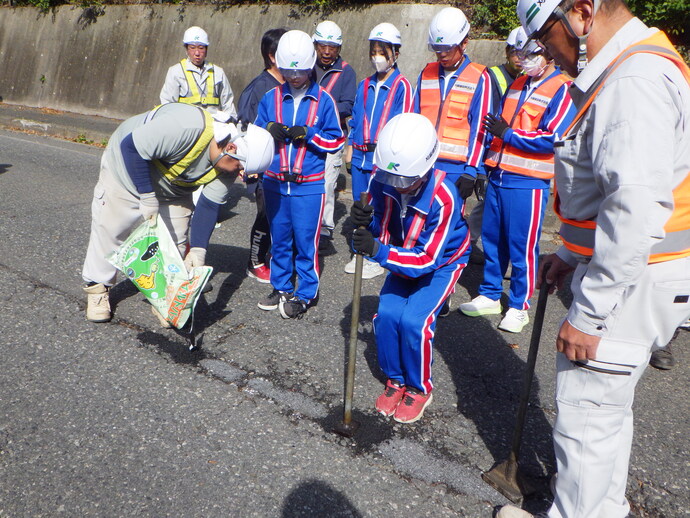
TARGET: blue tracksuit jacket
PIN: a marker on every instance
(515, 204)
(425, 245)
(371, 111)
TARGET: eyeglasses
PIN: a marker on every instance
(439, 48)
(545, 29)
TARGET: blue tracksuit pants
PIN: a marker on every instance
(405, 322)
(360, 180)
(510, 233)
(295, 220)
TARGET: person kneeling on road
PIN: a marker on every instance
(152, 164)
(415, 229)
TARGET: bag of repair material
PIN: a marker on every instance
(151, 260)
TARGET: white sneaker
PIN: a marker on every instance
(510, 511)
(98, 303)
(514, 320)
(370, 269)
(350, 267)
(479, 306)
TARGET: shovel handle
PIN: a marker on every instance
(354, 329)
(529, 370)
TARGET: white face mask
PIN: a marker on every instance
(533, 65)
(381, 64)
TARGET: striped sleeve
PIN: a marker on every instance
(557, 117)
(427, 253)
(326, 135)
(480, 106)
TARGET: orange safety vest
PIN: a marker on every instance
(450, 117)
(578, 236)
(526, 117)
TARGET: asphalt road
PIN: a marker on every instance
(119, 419)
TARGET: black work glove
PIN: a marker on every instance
(465, 185)
(348, 167)
(361, 214)
(480, 186)
(363, 242)
(495, 125)
(278, 131)
(298, 132)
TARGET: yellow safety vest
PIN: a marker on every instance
(172, 171)
(194, 96)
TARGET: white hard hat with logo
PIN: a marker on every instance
(534, 13)
(448, 28)
(512, 37)
(328, 33)
(524, 45)
(406, 150)
(295, 51)
(195, 36)
(386, 32)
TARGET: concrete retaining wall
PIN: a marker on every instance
(113, 63)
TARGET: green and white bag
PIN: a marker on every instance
(151, 260)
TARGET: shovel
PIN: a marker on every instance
(348, 426)
(505, 477)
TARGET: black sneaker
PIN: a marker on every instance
(294, 307)
(271, 302)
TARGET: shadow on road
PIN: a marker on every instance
(316, 498)
(5, 167)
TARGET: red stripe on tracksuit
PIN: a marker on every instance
(422, 277)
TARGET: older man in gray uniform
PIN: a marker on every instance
(622, 174)
(153, 163)
(197, 81)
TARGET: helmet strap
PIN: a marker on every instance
(581, 40)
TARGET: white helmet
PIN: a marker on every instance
(295, 51)
(328, 32)
(386, 32)
(255, 146)
(524, 45)
(512, 37)
(406, 150)
(448, 28)
(255, 149)
(533, 15)
(195, 36)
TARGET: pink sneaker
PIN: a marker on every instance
(260, 272)
(411, 408)
(387, 402)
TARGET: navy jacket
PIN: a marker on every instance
(344, 88)
(248, 105)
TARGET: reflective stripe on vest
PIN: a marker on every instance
(449, 117)
(526, 117)
(301, 146)
(387, 105)
(500, 79)
(578, 236)
(194, 96)
(333, 79)
(173, 171)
